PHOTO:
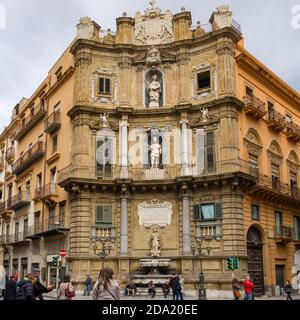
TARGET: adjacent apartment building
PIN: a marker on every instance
(155, 139)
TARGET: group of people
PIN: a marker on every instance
(248, 287)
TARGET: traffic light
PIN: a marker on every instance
(55, 261)
(235, 263)
(230, 263)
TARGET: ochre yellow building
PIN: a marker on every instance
(157, 137)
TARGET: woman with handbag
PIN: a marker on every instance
(236, 289)
(106, 288)
(66, 290)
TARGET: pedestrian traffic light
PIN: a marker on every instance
(230, 263)
(235, 263)
(55, 261)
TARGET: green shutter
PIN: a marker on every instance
(103, 214)
(99, 214)
(101, 85)
(107, 85)
(218, 208)
(107, 214)
(196, 212)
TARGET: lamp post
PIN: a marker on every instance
(105, 249)
(201, 255)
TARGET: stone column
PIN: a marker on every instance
(124, 226)
(184, 78)
(184, 146)
(125, 80)
(124, 141)
(186, 229)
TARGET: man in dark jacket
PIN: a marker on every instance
(10, 293)
(25, 291)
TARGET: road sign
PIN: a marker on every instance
(62, 253)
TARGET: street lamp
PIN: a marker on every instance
(201, 255)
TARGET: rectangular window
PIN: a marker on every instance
(249, 91)
(7, 232)
(25, 229)
(27, 191)
(255, 214)
(37, 228)
(275, 176)
(278, 222)
(297, 227)
(103, 214)
(54, 143)
(293, 179)
(207, 211)
(253, 161)
(16, 231)
(104, 153)
(203, 80)
(210, 151)
(104, 85)
(56, 107)
(51, 221)
(62, 208)
(270, 110)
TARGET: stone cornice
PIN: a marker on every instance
(188, 107)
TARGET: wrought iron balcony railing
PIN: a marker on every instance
(254, 106)
(53, 122)
(34, 153)
(293, 131)
(284, 233)
(35, 116)
(19, 200)
(45, 191)
(276, 120)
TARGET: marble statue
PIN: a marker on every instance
(155, 243)
(205, 115)
(154, 88)
(104, 120)
(156, 151)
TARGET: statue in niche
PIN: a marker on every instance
(154, 88)
(104, 120)
(156, 151)
(155, 243)
(205, 115)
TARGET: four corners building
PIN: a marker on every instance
(78, 160)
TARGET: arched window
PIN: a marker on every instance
(275, 156)
(254, 147)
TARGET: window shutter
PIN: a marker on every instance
(99, 214)
(107, 85)
(107, 214)
(200, 140)
(218, 208)
(101, 85)
(196, 212)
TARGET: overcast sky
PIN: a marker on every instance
(34, 34)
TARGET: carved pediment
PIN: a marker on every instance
(98, 125)
(165, 57)
(198, 123)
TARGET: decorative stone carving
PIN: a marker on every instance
(226, 47)
(275, 153)
(198, 32)
(155, 213)
(109, 38)
(87, 29)
(253, 142)
(83, 58)
(156, 151)
(104, 123)
(125, 62)
(222, 17)
(153, 57)
(154, 27)
(104, 120)
(205, 115)
(207, 197)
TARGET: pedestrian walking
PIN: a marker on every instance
(166, 289)
(172, 281)
(288, 290)
(181, 281)
(177, 289)
(236, 289)
(26, 288)
(248, 289)
(106, 288)
(10, 292)
(151, 289)
(66, 290)
(88, 285)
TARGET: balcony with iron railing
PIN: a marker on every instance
(18, 201)
(6, 239)
(26, 125)
(276, 121)
(275, 188)
(20, 237)
(48, 191)
(293, 131)
(146, 173)
(55, 225)
(284, 233)
(254, 107)
(10, 155)
(53, 122)
(34, 153)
